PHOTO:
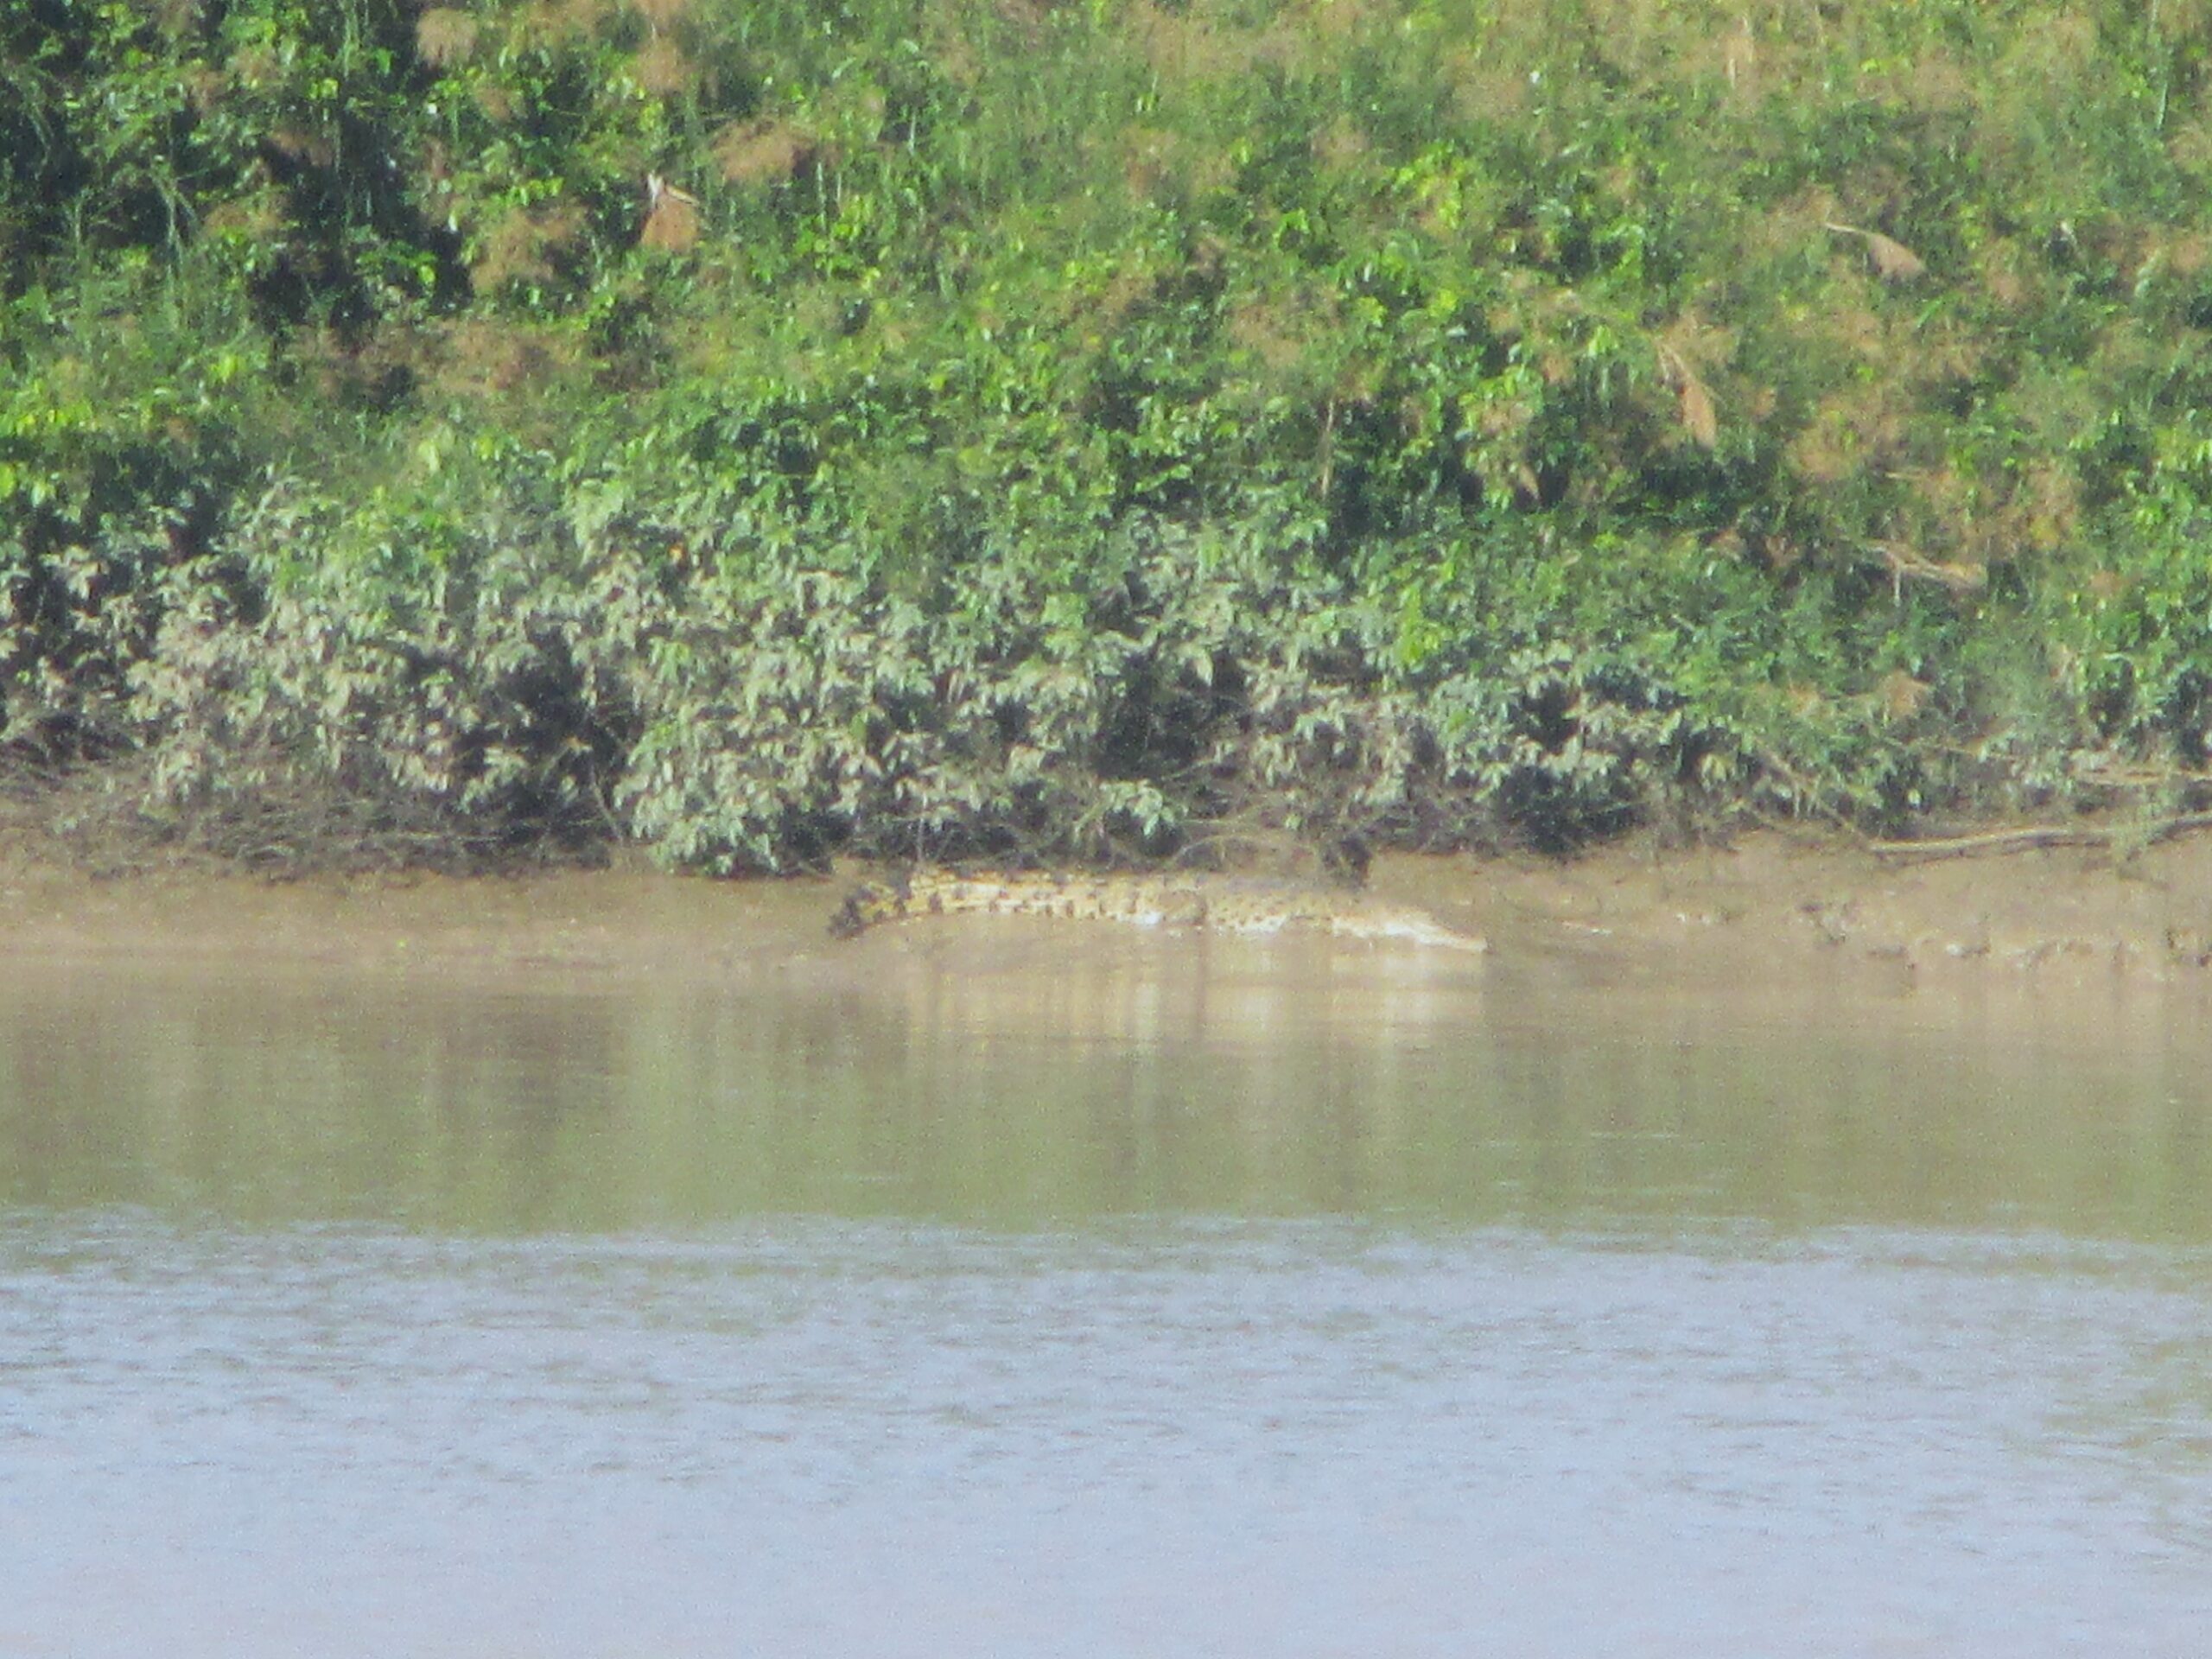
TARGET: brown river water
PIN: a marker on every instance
(989, 1294)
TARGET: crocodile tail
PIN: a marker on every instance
(868, 904)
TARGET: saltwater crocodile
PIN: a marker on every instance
(1221, 903)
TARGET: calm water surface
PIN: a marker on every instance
(1158, 1303)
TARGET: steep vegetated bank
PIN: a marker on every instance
(991, 425)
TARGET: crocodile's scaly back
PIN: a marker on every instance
(1224, 904)
(1145, 899)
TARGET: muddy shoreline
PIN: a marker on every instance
(1770, 912)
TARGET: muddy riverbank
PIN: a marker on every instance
(1768, 913)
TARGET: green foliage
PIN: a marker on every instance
(118, 441)
(922, 425)
(493, 639)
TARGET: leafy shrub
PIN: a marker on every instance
(943, 425)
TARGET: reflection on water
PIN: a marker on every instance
(1168, 1300)
(1252, 1082)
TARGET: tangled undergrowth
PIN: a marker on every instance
(978, 426)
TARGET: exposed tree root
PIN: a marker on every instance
(2034, 837)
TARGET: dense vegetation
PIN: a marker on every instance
(752, 428)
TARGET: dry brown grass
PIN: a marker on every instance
(1857, 427)
(205, 87)
(768, 150)
(527, 245)
(2009, 275)
(1481, 90)
(176, 17)
(480, 357)
(662, 69)
(1341, 146)
(2190, 146)
(552, 22)
(1901, 697)
(1695, 407)
(297, 142)
(258, 216)
(1154, 160)
(445, 36)
(1278, 330)
(1889, 259)
(671, 220)
(1209, 41)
